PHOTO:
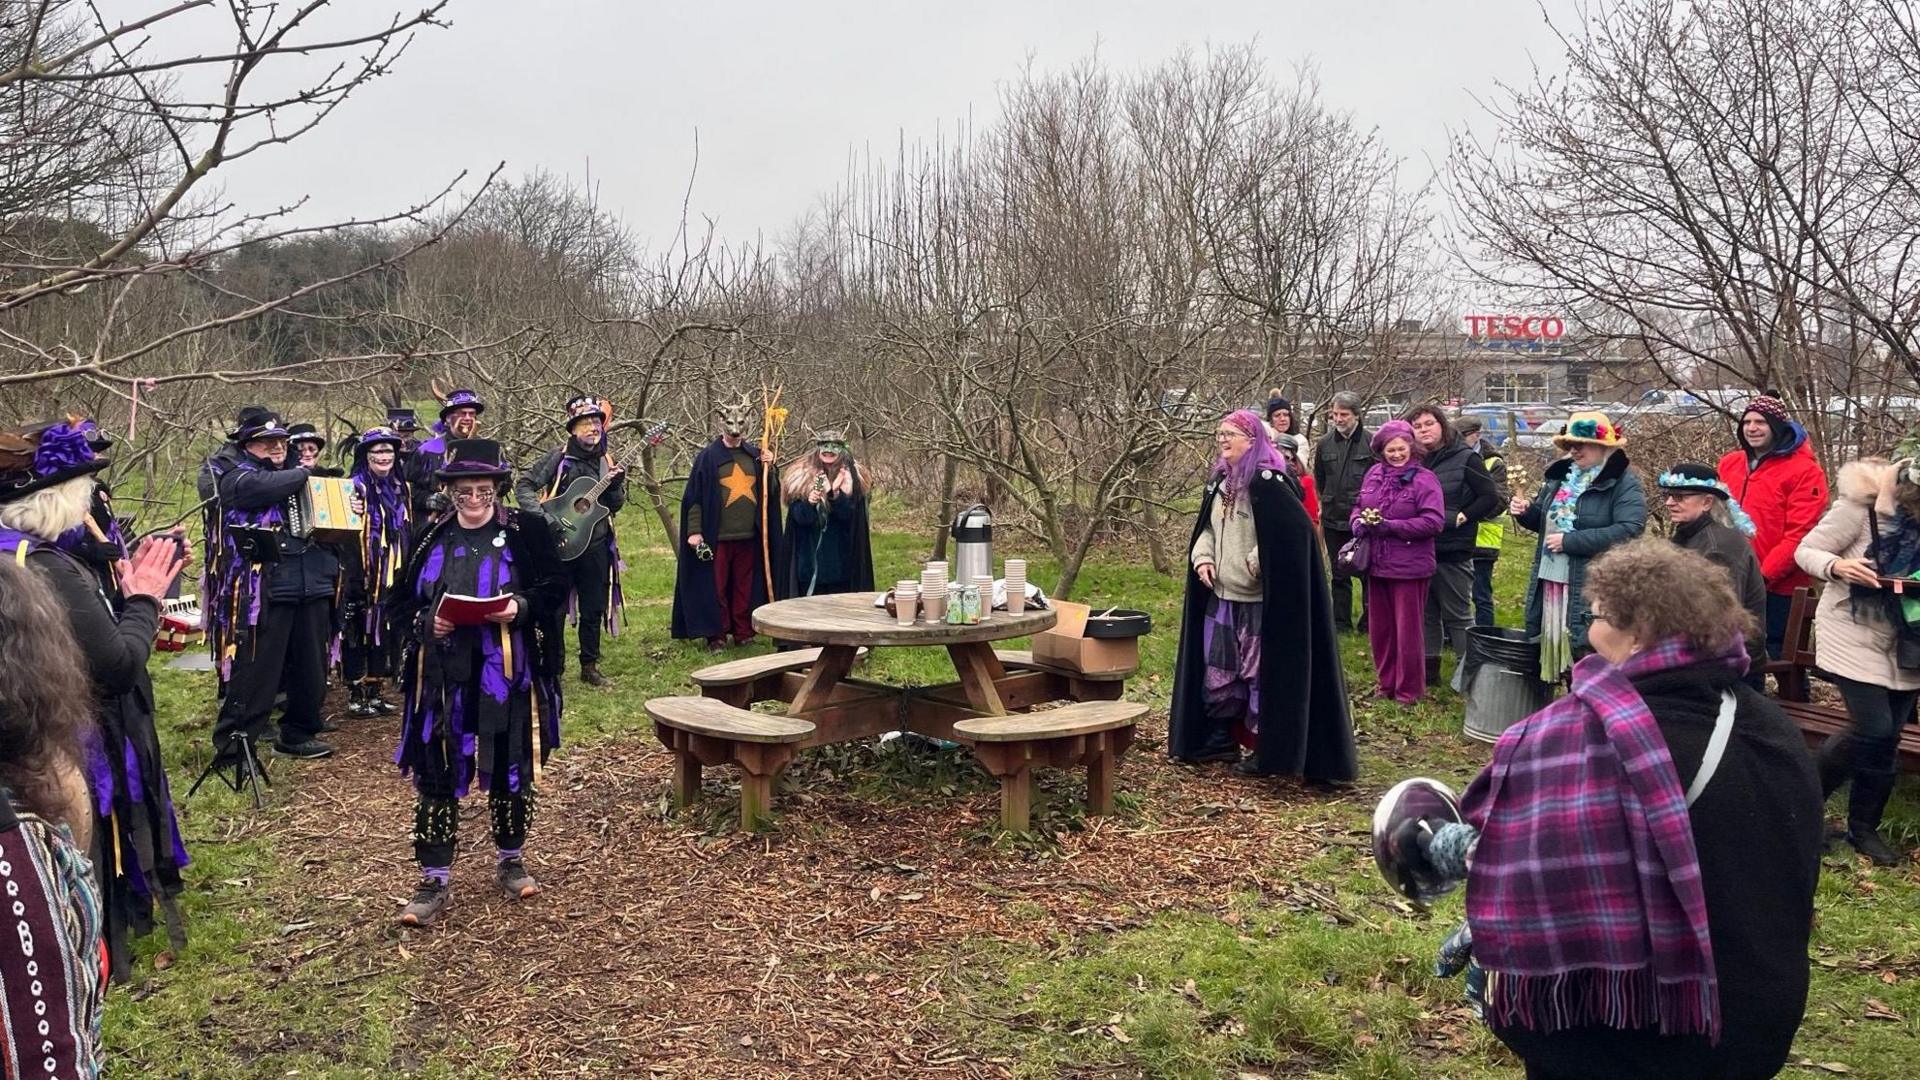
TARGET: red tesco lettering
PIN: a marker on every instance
(1549, 327)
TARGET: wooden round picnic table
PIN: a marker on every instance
(842, 623)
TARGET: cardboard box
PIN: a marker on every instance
(326, 507)
(1067, 645)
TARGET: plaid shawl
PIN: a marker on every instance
(1584, 895)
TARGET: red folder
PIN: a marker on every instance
(469, 610)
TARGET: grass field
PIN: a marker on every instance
(1306, 966)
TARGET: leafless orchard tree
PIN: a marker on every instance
(111, 238)
(1731, 185)
(1061, 303)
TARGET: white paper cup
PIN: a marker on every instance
(936, 605)
(906, 596)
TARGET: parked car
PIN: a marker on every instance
(1541, 436)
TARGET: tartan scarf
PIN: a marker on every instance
(1584, 895)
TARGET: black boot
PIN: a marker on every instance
(375, 703)
(1433, 672)
(590, 674)
(1835, 762)
(1874, 762)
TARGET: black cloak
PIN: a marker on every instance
(696, 606)
(1304, 725)
(848, 517)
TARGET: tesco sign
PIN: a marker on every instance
(1524, 327)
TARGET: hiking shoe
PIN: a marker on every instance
(430, 898)
(1866, 840)
(305, 748)
(1228, 752)
(381, 706)
(1250, 766)
(514, 880)
(590, 674)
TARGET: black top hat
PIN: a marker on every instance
(1693, 477)
(477, 458)
(45, 454)
(583, 407)
(462, 399)
(299, 433)
(402, 421)
(256, 422)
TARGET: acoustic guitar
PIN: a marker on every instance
(578, 511)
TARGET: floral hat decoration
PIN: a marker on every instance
(41, 455)
(1590, 427)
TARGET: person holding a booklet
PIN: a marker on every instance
(593, 574)
(482, 592)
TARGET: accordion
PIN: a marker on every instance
(323, 511)
(180, 624)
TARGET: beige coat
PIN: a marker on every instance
(1853, 644)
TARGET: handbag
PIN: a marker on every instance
(1355, 556)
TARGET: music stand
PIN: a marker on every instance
(248, 770)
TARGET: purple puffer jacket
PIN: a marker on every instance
(1409, 499)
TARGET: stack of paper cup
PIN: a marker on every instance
(1016, 578)
(985, 584)
(906, 596)
(933, 592)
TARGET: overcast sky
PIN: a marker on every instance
(780, 93)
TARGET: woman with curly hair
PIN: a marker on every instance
(828, 543)
(52, 979)
(1638, 936)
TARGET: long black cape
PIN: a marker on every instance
(1304, 725)
(696, 606)
(800, 541)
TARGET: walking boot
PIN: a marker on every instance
(514, 880)
(1433, 672)
(1874, 762)
(590, 674)
(430, 899)
(1867, 841)
(357, 703)
(380, 705)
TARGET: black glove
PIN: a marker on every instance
(438, 503)
(1410, 842)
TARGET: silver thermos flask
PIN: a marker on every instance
(972, 544)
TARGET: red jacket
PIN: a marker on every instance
(1785, 495)
(1310, 497)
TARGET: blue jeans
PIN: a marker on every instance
(1483, 592)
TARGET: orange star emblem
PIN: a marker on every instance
(739, 484)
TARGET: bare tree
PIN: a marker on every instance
(1728, 185)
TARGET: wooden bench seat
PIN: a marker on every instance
(1090, 733)
(706, 731)
(1794, 673)
(1022, 659)
(740, 682)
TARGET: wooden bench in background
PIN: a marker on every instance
(1794, 672)
(1090, 733)
(755, 678)
(705, 731)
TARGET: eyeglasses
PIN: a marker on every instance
(1228, 436)
(473, 494)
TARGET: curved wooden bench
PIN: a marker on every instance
(754, 678)
(704, 731)
(1090, 733)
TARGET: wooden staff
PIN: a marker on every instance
(773, 421)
